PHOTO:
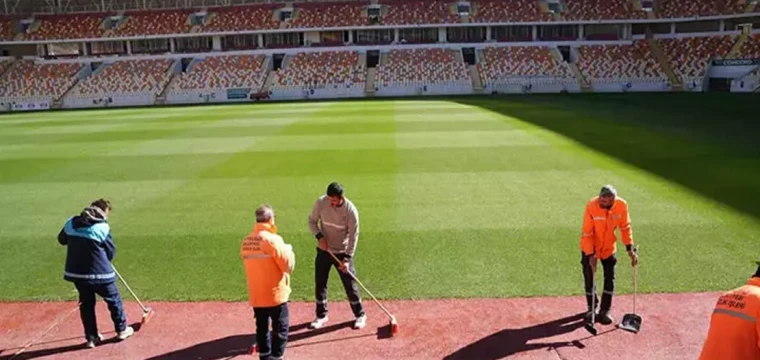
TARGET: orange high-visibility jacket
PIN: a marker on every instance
(735, 325)
(268, 263)
(599, 225)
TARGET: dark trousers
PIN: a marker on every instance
(323, 263)
(110, 293)
(609, 282)
(272, 347)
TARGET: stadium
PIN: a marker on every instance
(469, 135)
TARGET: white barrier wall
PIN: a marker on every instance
(109, 100)
(604, 85)
(11, 104)
(460, 88)
(326, 93)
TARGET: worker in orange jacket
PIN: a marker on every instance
(268, 263)
(735, 324)
(604, 213)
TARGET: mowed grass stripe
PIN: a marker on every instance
(33, 269)
(127, 220)
(221, 213)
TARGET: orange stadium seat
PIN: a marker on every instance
(601, 10)
(223, 72)
(418, 12)
(25, 79)
(73, 26)
(6, 29)
(127, 77)
(689, 56)
(600, 63)
(521, 64)
(499, 10)
(416, 67)
(751, 48)
(154, 22)
(321, 70)
(312, 15)
(240, 18)
(691, 8)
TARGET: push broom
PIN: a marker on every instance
(393, 322)
(147, 312)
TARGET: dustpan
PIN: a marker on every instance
(632, 322)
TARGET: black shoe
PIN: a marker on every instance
(604, 317)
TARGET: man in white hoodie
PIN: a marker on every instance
(334, 222)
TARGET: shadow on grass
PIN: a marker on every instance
(513, 341)
(708, 143)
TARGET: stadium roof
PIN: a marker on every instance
(28, 7)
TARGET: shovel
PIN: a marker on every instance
(632, 322)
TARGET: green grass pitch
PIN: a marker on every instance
(458, 197)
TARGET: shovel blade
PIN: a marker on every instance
(631, 323)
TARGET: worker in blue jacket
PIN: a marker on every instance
(89, 252)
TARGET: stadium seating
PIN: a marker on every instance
(751, 48)
(223, 72)
(601, 10)
(143, 77)
(25, 80)
(154, 22)
(691, 8)
(419, 67)
(502, 11)
(6, 29)
(73, 26)
(418, 12)
(689, 56)
(240, 18)
(314, 15)
(523, 65)
(321, 70)
(4, 65)
(613, 63)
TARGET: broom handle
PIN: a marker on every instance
(362, 285)
(635, 251)
(128, 288)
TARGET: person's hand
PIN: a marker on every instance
(634, 258)
(592, 263)
(322, 244)
(343, 266)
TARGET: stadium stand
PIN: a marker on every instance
(689, 56)
(431, 71)
(128, 82)
(512, 69)
(238, 18)
(691, 8)
(503, 11)
(68, 26)
(601, 10)
(6, 29)
(751, 48)
(212, 76)
(418, 12)
(321, 74)
(27, 81)
(316, 15)
(607, 66)
(154, 22)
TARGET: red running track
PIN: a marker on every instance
(673, 327)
